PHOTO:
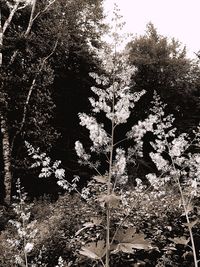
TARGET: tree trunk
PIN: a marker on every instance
(4, 128)
(1, 40)
(6, 158)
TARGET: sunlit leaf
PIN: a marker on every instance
(96, 221)
(128, 240)
(191, 224)
(94, 250)
(126, 235)
(102, 179)
(112, 199)
(168, 248)
(180, 240)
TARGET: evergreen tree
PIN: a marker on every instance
(162, 65)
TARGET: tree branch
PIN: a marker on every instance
(44, 10)
(30, 24)
(10, 17)
(31, 19)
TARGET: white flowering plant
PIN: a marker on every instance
(49, 168)
(25, 228)
(178, 166)
(131, 209)
(114, 100)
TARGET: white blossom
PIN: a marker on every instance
(120, 162)
(98, 135)
(61, 262)
(160, 162)
(178, 146)
(28, 247)
(194, 187)
(154, 181)
(80, 151)
(139, 130)
(60, 173)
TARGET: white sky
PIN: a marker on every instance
(172, 18)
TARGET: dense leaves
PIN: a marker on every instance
(45, 66)
(162, 65)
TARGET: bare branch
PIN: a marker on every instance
(27, 30)
(31, 19)
(30, 24)
(10, 17)
(44, 10)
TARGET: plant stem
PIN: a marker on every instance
(108, 193)
(23, 226)
(184, 206)
(188, 221)
(110, 171)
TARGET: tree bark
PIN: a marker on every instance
(6, 158)
(3, 122)
(1, 39)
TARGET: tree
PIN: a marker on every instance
(72, 81)
(161, 65)
(43, 41)
(19, 75)
(4, 127)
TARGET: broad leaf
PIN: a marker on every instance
(128, 240)
(180, 240)
(94, 222)
(94, 250)
(191, 224)
(112, 199)
(102, 179)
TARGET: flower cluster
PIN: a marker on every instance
(113, 98)
(139, 130)
(178, 146)
(160, 162)
(124, 102)
(49, 168)
(124, 105)
(61, 262)
(170, 157)
(119, 167)
(98, 135)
